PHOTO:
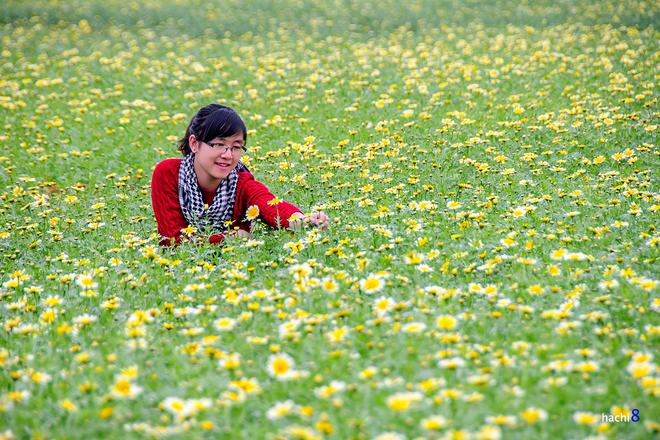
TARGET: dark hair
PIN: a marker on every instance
(210, 122)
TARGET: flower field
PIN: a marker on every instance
(491, 171)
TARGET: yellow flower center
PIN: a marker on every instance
(123, 387)
(280, 366)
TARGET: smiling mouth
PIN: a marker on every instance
(222, 165)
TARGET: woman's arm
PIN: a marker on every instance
(255, 193)
(316, 218)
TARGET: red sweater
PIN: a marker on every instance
(169, 216)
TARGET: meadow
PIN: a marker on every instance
(490, 170)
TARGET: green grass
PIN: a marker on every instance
(527, 130)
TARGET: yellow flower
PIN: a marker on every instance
(281, 366)
(207, 425)
(249, 386)
(373, 283)
(124, 388)
(446, 322)
(252, 212)
(532, 415)
(434, 422)
(535, 290)
(403, 401)
(69, 406)
(586, 418)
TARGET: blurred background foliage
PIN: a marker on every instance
(354, 18)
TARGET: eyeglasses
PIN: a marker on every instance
(234, 150)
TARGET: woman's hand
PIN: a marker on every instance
(241, 233)
(317, 219)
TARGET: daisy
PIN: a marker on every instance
(85, 319)
(368, 372)
(558, 254)
(329, 284)
(553, 270)
(446, 322)
(288, 327)
(300, 270)
(86, 282)
(68, 405)
(89, 293)
(123, 388)
(451, 363)
(178, 407)
(532, 415)
(335, 386)
(647, 284)
(507, 242)
(383, 304)
(404, 400)
(414, 327)
(230, 398)
(224, 324)
(41, 378)
(52, 300)
(257, 340)
(194, 287)
(280, 366)
(249, 386)
(280, 409)
(230, 361)
(424, 268)
(337, 335)
(608, 284)
(639, 370)
(199, 404)
(574, 256)
(586, 418)
(252, 213)
(490, 291)
(501, 420)
(435, 290)
(535, 290)
(373, 283)
(390, 436)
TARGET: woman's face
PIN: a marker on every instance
(215, 159)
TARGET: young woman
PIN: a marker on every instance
(210, 189)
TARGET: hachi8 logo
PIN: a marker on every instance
(621, 416)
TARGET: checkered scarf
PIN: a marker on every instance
(192, 202)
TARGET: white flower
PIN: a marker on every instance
(86, 282)
(383, 304)
(224, 324)
(414, 327)
(451, 363)
(281, 366)
(280, 409)
(288, 327)
(373, 283)
(390, 436)
(85, 319)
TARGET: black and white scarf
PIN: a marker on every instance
(192, 202)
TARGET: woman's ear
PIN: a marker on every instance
(192, 141)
